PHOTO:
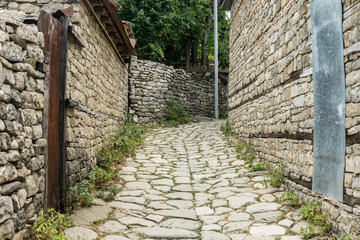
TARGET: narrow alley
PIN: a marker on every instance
(187, 183)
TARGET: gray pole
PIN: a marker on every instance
(216, 60)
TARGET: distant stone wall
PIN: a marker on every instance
(22, 140)
(97, 87)
(271, 94)
(154, 85)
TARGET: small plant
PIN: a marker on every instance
(81, 193)
(316, 215)
(246, 152)
(290, 232)
(226, 129)
(176, 114)
(277, 176)
(51, 226)
(308, 232)
(290, 198)
(112, 193)
(223, 116)
(103, 176)
(258, 167)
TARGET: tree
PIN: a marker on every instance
(175, 31)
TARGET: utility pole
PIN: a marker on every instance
(216, 59)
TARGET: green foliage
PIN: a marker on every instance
(246, 152)
(122, 145)
(316, 215)
(226, 129)
(176, 114)
(51, 226)
(102, 178)
(277, 176)
(113, 190)
(308, 232)
(290, 198)
(163, 27)
(81, 193)
(260, 166)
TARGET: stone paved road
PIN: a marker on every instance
(186, 183)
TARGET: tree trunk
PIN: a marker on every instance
(194, 52)
(204, 55)
(187, 54)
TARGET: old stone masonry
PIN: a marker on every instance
(187, 183)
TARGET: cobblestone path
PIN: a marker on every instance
(187, 183)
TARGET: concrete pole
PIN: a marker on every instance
(216, 59)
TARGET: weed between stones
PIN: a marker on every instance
(317, 217)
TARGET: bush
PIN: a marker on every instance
(176, 114)
(51, 226)
(81, 193)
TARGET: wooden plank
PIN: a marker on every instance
(51, 28)
(63, 74)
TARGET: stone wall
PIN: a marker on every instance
(33, 7)
(22, 140)
(271, 94)
(97, 87)
(154, 85)
(97, 93)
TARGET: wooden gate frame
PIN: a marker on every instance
(55, 30)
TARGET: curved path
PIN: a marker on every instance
(187, 183)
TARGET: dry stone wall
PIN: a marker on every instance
(97, 97)
(33, 7)
(22, 140)
(97, 87)
(154, 85)
(271, 94)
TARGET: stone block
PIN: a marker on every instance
(35, 53)
(12, 52)
(29, 8)
(29, 33)
(32, 100)
(27, 117)
(20, 79)
(7, 173)
(6, 208)
(32, 184)
(12, 17)
(7, 229)
(9, 188)
(5, 141)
